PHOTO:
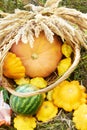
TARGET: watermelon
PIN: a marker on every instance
(26, 105)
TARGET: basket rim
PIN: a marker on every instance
(50, 87)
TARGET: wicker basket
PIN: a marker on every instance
(51, 19)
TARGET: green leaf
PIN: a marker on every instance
(5, 93)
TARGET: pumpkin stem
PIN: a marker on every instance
(34, 56)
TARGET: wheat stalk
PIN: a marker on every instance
(73, 16)
(61, 16)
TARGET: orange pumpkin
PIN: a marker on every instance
(42, 59)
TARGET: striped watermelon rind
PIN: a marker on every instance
(26, 105)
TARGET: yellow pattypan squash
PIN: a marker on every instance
(47, 111)
(24, 122)
(80, 117)
(22, 81)
(66, 50)
(39, 82)
(69, 95)
(13, 67)
(49, 95)
(63, 66)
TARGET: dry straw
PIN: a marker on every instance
(67, 23)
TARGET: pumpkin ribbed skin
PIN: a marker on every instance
(42, 59)
(26, 105)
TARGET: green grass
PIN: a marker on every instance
(63, 121)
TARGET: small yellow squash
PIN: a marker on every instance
(39, 82)
(69, 95)
(66, 50)
(12, 67)
(47, 111)
(64, 65)
(24, 122)
(24, 80)
(80, 117)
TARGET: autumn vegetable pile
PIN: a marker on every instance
(40, 48)
(68, 95)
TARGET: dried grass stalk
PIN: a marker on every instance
(72, 15)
